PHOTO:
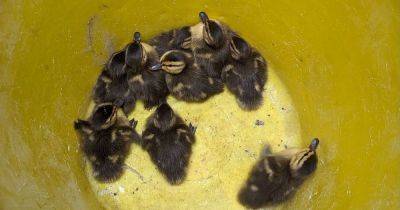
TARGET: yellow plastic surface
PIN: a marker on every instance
(228, 145)
(340, 62)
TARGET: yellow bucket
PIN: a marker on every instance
(335, 69)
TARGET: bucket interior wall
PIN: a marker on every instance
(339, 60)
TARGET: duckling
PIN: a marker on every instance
(245, 74)
(168, 140)
(185, 80)
(275, 177)
(112, 84)
(106, 138)
(210, 44)
(175, 39)
(146, 85)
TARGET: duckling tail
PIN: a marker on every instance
(107, 172)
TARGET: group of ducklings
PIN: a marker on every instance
(191, 63)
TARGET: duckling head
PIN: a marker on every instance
(115, 65)
(103, 116)
(164, 117)
(304, 162)
(135, 54)
(173, 62)
(239, 48)
(213, 34)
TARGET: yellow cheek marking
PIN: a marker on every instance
(197, 31)
(186, 44)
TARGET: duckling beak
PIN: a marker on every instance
(137, 37)
(314, 144)
(156, 67)
(203, 17)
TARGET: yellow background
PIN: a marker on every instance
(340, 61)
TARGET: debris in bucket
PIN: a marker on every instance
(259, 123)
(106, 191)
(251, 154)
(121, 189)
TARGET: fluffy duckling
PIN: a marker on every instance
(275, 177)
(210, 44)
(175, 39)
(146, 85)
(168, 140)
(245, 74)
(112, 84)
(106, 138)
(185, 80)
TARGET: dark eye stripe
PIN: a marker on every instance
(233, 47)
(172, 65)
(305, 155)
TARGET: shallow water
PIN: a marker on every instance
(340, 62)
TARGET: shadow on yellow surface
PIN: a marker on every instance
(340, 62)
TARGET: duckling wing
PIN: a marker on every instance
(173, 158)
(246, 80)
(162, 42)
(149, 87)
(174, 39)
(264, 181)
(184, 134)
(193, 85)
(149, 138)
(109, 89)
(100, 89)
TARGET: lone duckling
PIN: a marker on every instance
(145, 84)
(186, 80)
(168, 140)
(112, 84)
(245, 74)
(275, 177)
(210, 44)
(106, 138)
(175, 39)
